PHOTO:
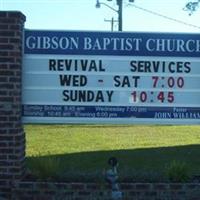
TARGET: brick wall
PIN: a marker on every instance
(94, 191)
(12, 140)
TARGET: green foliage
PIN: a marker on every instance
(80, 176)
(45, 168)
(177, 171)
(141, 175)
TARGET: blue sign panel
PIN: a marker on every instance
(111, 112)
(111, 77)
(112, 43)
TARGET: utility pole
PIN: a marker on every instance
(119, 10)
(119, 3)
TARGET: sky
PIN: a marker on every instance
(140, 16)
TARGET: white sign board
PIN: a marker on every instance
(104, 77)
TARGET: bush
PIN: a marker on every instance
(51, 168)
(140, 175)
(177, 171)
(45, 168)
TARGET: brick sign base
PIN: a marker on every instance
(12, 137)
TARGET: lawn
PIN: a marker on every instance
(77, 152)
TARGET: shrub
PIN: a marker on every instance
(81, 176)
(177, 171)
(45, 167)
(140, 175)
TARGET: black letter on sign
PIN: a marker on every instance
(65, 95)
(52, 65)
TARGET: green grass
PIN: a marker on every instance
(82, 150)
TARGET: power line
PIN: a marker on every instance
(164, 16)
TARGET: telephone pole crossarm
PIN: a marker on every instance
(119, 10)
(112, 22)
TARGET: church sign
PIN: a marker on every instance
(111, 77)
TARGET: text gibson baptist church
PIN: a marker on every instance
(116, 43)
